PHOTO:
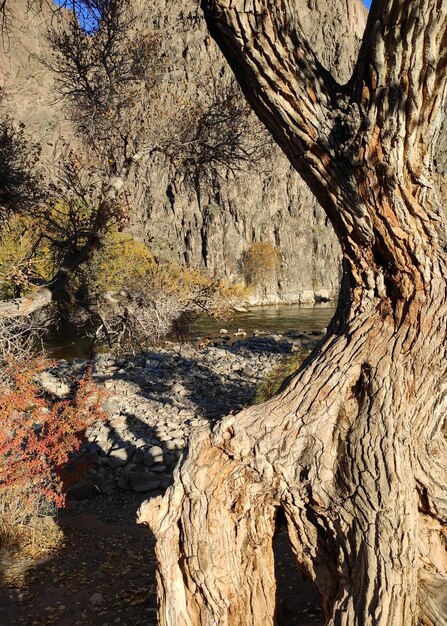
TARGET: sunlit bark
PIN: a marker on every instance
(354, 449)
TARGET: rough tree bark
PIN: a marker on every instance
(353, 450)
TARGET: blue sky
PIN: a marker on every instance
(89, 23)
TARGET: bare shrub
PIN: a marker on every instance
(135, 300)
(20, 339)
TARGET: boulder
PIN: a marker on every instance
(83, 490)
(139, 481)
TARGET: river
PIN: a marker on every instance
(68, 343)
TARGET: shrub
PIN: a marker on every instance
(36, 438)
(260, 263)
(21, 338)
(138, 300)
(24, 258)
(122, 262)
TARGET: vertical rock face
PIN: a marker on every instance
(26, 85)
(212, 228)
(209, 226)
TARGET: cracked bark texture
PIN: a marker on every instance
(353, 449)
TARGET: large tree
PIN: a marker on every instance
(353, 450)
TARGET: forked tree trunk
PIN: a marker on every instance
(354, 449)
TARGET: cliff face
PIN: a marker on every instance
(26, 86)
(205, 226)
(213, 228)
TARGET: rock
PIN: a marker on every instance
(179, 389)
(113, 462)
(108, 487)
(158, 469)
(123, 454)
(294, 334)
(173, 445)
(176, 433)
(151, 365)
(53, 385)
(123, 481)
(240, 309)
(274, 337)
(111, 407)
(96, 598)
(82, 490)
(138, 456)
(249, 371)
(142, 482)
(140, 443)
(170, 457)
(153, 455)
(223, 332)
(96, 479)
(93, 447)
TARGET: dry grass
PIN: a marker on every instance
(28, 531)
(282, 370)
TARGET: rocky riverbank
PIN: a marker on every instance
(156, 399)
(105, 571)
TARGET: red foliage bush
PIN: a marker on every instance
(38, 435)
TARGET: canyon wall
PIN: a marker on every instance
(206, 226)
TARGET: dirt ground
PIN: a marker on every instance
(105, 574)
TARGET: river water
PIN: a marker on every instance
(270, 319)
(68, 343)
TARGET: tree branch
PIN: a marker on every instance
(297, 99)
(280, 75)
(402, 86)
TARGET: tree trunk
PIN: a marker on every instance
(353, 450)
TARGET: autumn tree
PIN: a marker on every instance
(353, 450)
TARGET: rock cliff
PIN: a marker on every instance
(207, 227)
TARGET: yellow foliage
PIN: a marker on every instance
(260, 262)
(121, 263)
(24, 257)
(72, 217)
(126, 264)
